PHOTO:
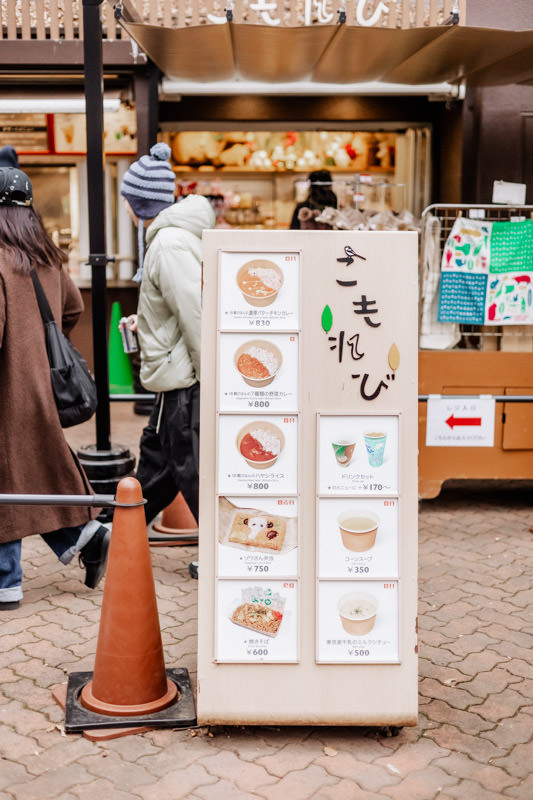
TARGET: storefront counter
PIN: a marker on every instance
(468, 372)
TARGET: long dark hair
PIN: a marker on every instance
(321, 195)
(24, 240)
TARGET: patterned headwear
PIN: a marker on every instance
(15, 187)
(148, 186)
(149, 183)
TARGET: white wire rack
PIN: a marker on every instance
(483, 337)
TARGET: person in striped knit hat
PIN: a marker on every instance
(168, 327)
(148, 187)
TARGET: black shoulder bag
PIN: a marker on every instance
(73, 387)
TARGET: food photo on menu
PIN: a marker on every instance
(255, 529)
(358, 527)
(357, 612)
(260, 443)
(258, 372)
(260, 281)
(256, 453)
(358, 621)
(259, 291)
(357, 537)
(344, 448)
(257, 621)
(358, 454)
(259, 609)
(258, 362)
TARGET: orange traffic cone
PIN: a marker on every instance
(177, 522)
(129, 678)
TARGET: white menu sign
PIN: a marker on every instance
(257, 537)
(258, 373)
(257, 454)
(259, 292)
(357, 538)
(257, 621)
(358, 621)
(358, 454)
(308, 478)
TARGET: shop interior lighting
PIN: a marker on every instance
(173, 89)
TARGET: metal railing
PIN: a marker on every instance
(499, 398)
(85, 500)
(422, 398)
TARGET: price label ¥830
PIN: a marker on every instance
(259, 291)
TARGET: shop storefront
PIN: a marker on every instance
(370, 94)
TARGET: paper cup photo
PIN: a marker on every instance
(375, 447)
(344, 450)
(357, 612)
(358, 529)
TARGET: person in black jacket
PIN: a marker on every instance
(320, 196)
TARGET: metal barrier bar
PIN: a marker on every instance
(88, 500)
(500, 398)
(123, 398)
(422, 398)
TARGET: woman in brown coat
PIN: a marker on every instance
(34, 455)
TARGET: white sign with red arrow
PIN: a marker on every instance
(460, 421)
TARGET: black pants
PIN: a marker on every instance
(168, 460)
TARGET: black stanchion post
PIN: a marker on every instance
(104, 463)
(94, 116)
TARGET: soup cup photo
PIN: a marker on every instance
(255, 439)
(259, 350)
(358, 528)
(357, 612)
(260, 289)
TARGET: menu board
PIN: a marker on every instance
(257, 454)
(259, 291)
(308, 486)
(257, 621)
(357, 537)
(358, 455)
(357, 621)
(257, 537)
(258, 373)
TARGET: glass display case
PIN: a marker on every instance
(255, 178)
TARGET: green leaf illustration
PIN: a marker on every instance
(327, 319)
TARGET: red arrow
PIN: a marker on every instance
(451, 421)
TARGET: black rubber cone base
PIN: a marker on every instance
(180, 714)
(183, 539)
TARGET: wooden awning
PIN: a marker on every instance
(338, 53)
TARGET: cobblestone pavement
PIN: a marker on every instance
(474, 738)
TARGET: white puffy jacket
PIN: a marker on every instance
(170, 296)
